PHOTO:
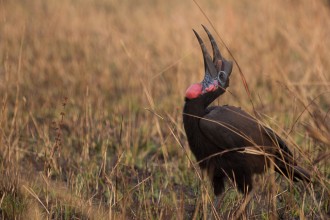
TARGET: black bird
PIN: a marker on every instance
(226, 141)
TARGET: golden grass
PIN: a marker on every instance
(121, 68)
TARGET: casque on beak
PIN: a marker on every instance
(217, 69)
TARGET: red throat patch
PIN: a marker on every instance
(194, 91)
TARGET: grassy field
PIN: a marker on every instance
(91, 97)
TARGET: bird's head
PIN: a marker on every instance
(217, 72)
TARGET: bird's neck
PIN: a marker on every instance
(193, 111)
(192, 114)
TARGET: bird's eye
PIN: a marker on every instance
(221, 76)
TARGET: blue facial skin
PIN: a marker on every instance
(221, 79)
(207, 81)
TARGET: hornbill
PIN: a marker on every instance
(226, 141)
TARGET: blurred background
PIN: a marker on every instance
(92, 93)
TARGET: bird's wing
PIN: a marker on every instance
(227, 127)
(230, 127)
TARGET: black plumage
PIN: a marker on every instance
(227, 141)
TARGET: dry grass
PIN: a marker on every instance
(92, 94)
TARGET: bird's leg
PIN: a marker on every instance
(216, 205)
(242, 208)
(217, 202)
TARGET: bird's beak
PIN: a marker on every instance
(220, 63)
(210, 71)
(218, 68)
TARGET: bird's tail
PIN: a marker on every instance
(286, 161)
(294, 173)
(300, 173)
